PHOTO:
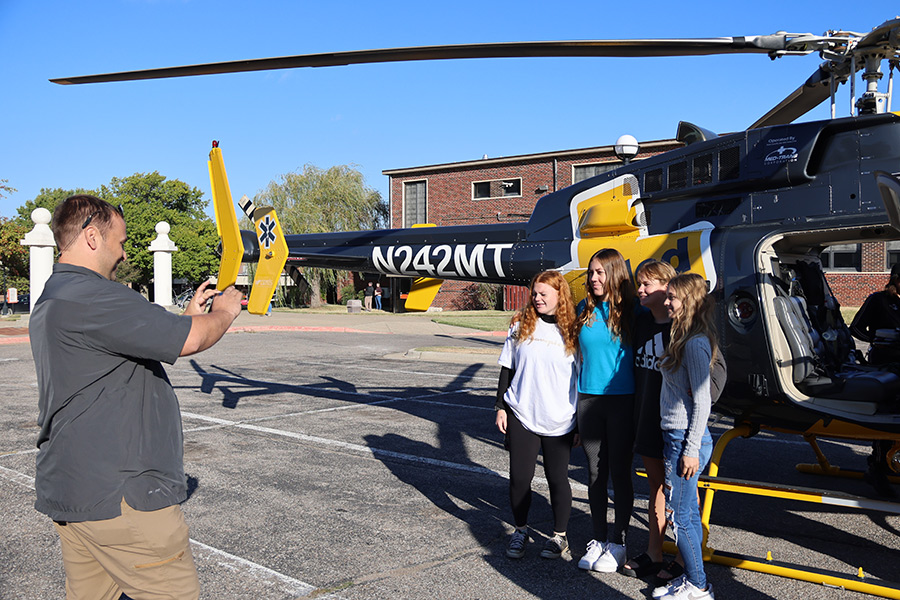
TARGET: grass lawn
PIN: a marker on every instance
(483, 320)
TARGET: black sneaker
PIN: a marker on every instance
(555, 546)
(516, 546)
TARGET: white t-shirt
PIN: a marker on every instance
(542, 392)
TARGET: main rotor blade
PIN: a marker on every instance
(576, 48)
(812, 93)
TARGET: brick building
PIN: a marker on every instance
(496, 190)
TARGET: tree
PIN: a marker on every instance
(13, 255)
(319, 200)
(147, 199)
(48, 199)
(5, 188)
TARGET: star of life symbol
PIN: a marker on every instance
(267, 231)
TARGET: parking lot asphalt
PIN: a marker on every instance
(328, 457)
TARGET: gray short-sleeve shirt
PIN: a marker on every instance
(110, 421)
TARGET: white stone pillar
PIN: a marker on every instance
(162, 248)
(40, 260)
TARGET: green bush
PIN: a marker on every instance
(347, 293)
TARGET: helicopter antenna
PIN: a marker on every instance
(892, 64)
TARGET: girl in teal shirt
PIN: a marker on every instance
(605, 411)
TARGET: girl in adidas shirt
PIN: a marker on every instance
(651, 336)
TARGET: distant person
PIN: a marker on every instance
(367, 296)
(685, 405)
(606, 403)
(378, 293)
(536, 406)
(109, 469)
(881, 310)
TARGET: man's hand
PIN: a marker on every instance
(197, 305)
(208, 328)
(229, 301)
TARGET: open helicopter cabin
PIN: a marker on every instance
(506, 189)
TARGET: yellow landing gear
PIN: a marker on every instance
(857, 581)
(823, 467)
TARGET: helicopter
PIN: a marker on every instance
(750, 211)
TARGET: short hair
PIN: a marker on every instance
(655, 269)
(77, 212)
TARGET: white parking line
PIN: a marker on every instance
(289, 585)
(357, 448)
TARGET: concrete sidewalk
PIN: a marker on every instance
(371, 322)
(16, 331)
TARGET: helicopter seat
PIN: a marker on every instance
(852, 383)
(800, 340)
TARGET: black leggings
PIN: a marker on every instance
(523, 452)
(606, 427)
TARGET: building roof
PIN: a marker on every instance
(487, 162)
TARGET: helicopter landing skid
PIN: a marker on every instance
(823, 467)
(859, 582)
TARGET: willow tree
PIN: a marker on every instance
(316, 200)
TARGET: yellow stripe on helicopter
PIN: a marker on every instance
(611, 215)
(226, 221)
(273, 250)
(424, 289)
(273, 253)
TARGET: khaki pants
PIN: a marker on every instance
(147, 555)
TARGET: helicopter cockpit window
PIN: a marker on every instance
(701, 169)
(842, 257)
(653, 181)
(678, 176)
(729, 163)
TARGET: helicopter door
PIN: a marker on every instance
(889, 186)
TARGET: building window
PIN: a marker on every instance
(415, 196)
(842, 257)
(582, 172)
(893, 254)
(498, 188)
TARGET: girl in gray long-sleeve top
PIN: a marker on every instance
(685, 404)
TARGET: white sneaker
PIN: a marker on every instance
(673, 584)
(611, 559)
(594, 550)
(688, 591)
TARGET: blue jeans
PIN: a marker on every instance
(682, 510)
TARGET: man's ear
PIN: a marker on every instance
(93, 237)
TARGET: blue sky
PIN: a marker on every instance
(375, 117)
